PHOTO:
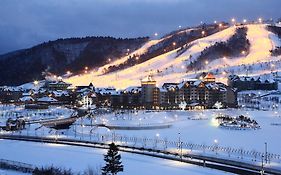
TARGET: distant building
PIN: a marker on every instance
(47, 100)
(197, 94)
(107, 96)
(251, 83)
(56, 85)
(210, 78)
(131, 97)
(149, 92)
(10, 94)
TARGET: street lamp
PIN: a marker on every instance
(216, 145)
(35, 82)
(206, 62)
(233, 20)
(265, 147)
(139, 121)
(180, 145)
(203, 33)
(262, 166)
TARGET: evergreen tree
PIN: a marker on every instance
(113, 161)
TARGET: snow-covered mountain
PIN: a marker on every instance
(59, 56)
(242, 50)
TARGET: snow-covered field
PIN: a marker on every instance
(14, 111)
(79, 159)
(196, 127)
(202, 128)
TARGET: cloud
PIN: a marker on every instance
(26, 23)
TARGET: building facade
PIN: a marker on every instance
(251, 83)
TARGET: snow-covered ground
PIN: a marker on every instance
(14, 111)
(169, 68)
(200, 127)
(193, 127)
(79, 159)
(8, 172)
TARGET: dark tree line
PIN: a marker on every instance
(62, 55)
(276, 30)
(235, 46)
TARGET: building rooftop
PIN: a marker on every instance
(149, 78)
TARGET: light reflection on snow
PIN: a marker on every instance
(214, 122)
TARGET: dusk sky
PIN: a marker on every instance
(24, 23)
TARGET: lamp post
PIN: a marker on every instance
(216, 145)
(156, 140)
(180, 145)
(265, 145)
(262, 166)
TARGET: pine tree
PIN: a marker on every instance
(113, 161)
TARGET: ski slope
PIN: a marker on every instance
(170, 68)
(139, 51)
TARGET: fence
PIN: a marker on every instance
(158, 143)
(16, 166)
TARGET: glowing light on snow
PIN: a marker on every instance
(35, 82)
(244, 20)
(214, 122)
(155, 34)
(164, 63)
(216, 141)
